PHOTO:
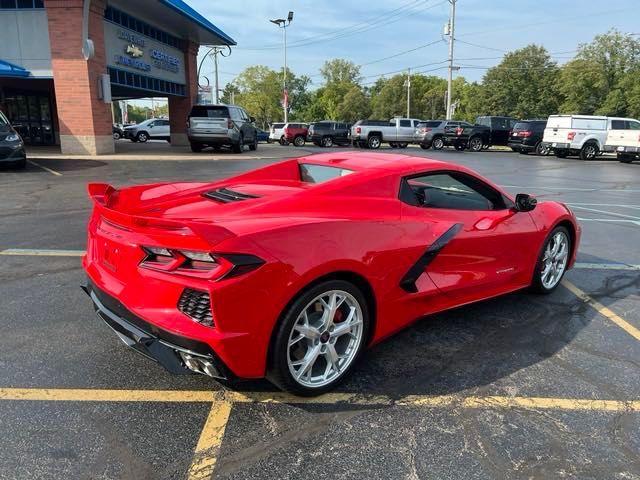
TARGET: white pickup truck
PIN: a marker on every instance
(582, 135)
(624, 140)
(398, 133)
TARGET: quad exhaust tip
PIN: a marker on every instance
(200, 365)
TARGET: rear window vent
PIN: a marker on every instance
(225, 195)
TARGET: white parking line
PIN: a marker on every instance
(27, 252)
(569, 189)
(606, 212)
(611, 220)
(634, 207)
(606, 266)
(46, 169)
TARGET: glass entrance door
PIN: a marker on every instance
(30, 115)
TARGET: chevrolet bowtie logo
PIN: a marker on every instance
(134, 51)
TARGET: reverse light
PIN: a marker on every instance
(198, 256)
(571, 136)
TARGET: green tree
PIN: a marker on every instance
(600, 79)
(341, 91)
(522, 85)
(354, 106)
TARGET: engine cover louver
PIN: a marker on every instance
(225, 195)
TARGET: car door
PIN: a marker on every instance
(482, 250)
(405, 130)
(341, 136)
(162, 129)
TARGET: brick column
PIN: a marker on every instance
(179, 107)
(85, 120)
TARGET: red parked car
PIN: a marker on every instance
(295, 133)
(290, 271)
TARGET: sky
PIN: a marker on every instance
(368, 32)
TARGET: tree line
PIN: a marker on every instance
(603, 78)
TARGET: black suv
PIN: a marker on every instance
(328, 133)
(218, 125)
(526, 137)
(11, 146)
(487, 131)
(500, 128)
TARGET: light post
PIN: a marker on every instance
(283, 24)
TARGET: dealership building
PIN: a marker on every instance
(56, 87)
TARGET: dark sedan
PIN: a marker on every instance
(11, 145)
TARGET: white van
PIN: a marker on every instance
(583, 135)
(624, 140)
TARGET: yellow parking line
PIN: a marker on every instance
(602, 310)
(206, 452)
(99, 395)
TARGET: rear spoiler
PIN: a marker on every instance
(102, 193)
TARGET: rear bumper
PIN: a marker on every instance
(214, 138)
(520, 146)
(168, 349)
(621, 149)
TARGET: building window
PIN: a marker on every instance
(23, 4)
(142, 82)
(121, 18)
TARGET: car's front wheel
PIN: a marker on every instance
(438, 143)
(319, 338)
(552, 261)
(142, 137)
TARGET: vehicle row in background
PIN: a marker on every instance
(397, 132)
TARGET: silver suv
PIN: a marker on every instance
(430, 134)
(221, 125)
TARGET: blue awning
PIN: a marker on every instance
(8, 69)
(186, 11)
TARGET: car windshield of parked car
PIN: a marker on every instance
(210, 112)
(310, 173)
(454, 191)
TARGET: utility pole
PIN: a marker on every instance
(408, 93)
(451, 32)
(283, 24)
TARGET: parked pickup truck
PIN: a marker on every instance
(624, 140)
(397, 132)
(583, 135)
(486, 132)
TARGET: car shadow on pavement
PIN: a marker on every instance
(479, 345)
(68, 165)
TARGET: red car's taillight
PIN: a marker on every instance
(571, 136)
(199, 264)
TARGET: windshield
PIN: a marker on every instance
(310, 173)
(3, 120)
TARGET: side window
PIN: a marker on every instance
(451, 190)
(618, 125)
(512, 123)
(485, 121)
(500, 123)
(634, 125)
(405, 123)
(235, 114)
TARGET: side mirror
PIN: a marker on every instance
(252, 119)
(525, 202)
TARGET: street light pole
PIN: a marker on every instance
(451, 29)
(282, 23)
(408, 92)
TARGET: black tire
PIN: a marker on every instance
(475, 144)
(134, 140)
(117, 136)
(253, 146)
(536, 285)
(561, 153)
(460, 146)
(298, 141)
(196, 147)
(283, 141)
(437, 143)
(238, 146)
(142, 137)
(542, 150)
(625, 158)
(589, 151)
(327, 141)
(278, 372)
(374, 142)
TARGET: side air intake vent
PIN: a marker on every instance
(197, 305)
(225, 195)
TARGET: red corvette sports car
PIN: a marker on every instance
(288, 272)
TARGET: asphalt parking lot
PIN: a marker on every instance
(521, 386)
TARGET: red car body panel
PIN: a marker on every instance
(290, 133)
(354, 225)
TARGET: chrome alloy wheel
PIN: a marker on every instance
(325, 338)
(554, 261)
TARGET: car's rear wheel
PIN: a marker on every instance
(374, 142)
(327, 141)
(283, 141)
(319, 338)
(475, 144)
(117, 136)
(542, 149)
(438, 143)
(589, 151)
(298, 141)
(552, 261)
